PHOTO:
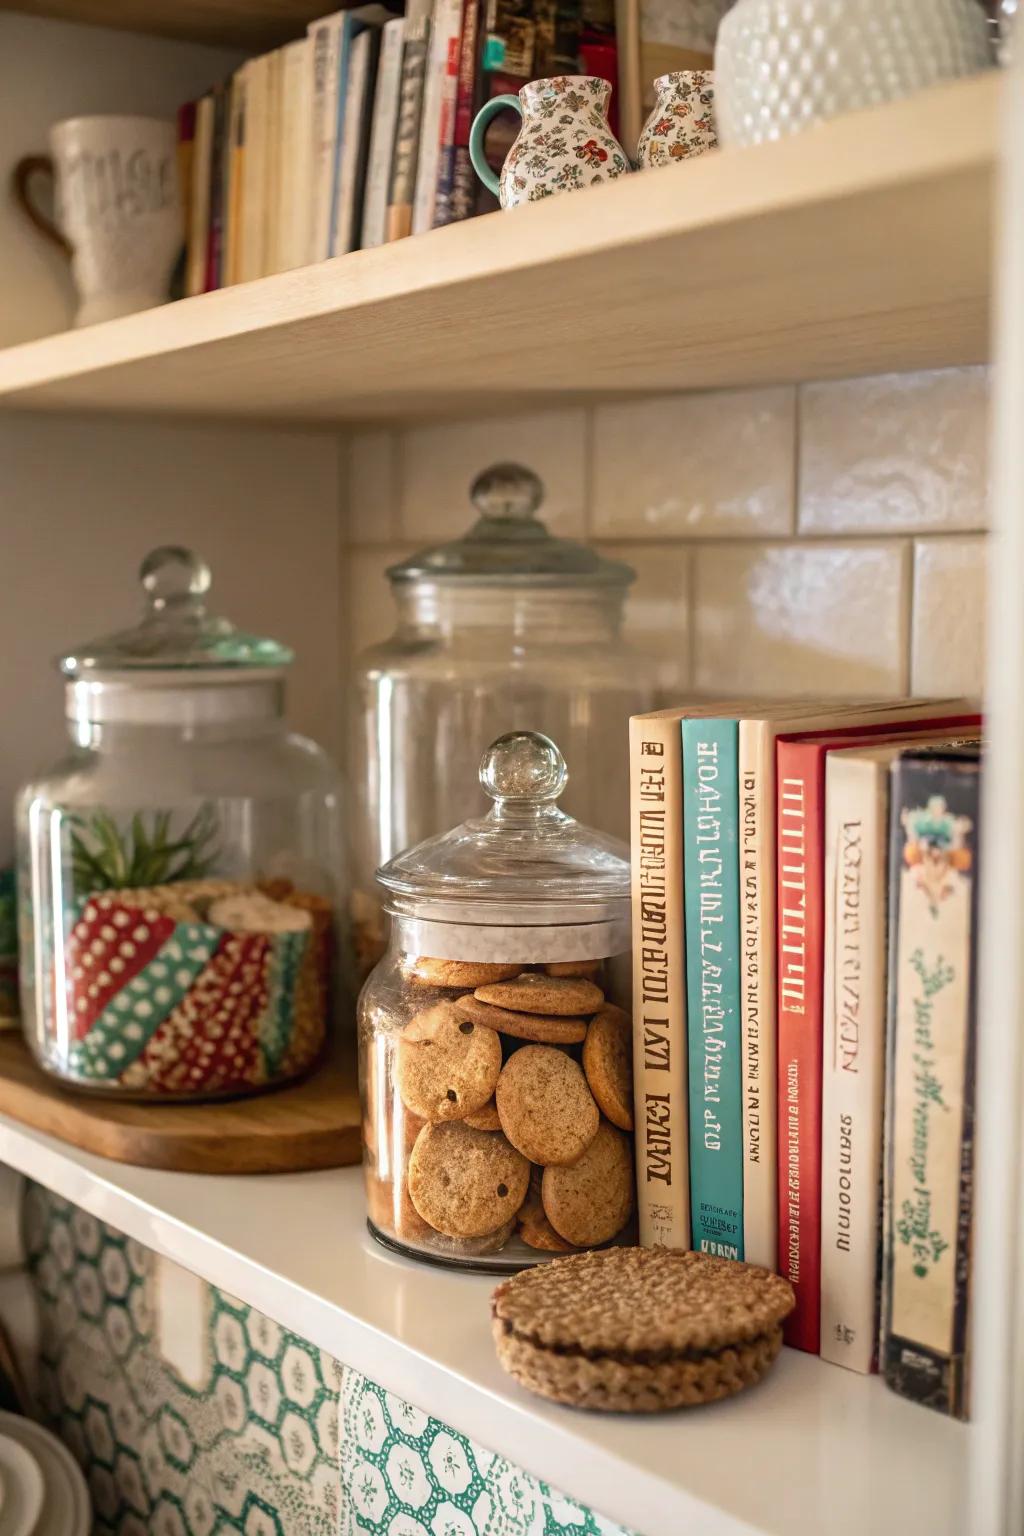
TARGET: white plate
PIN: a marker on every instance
(66, 1508)
(24, 1489)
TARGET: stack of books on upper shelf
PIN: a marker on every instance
(805, 879)
(358, 133)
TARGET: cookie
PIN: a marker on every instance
(533, 993)
(590, 969)
(485, 1119)
(256, 913)
(589, 1202)
(548, 1029)
(546, 1109)
(466, 1183)
(446, 1067)
(608, 1063)
(472, 1247)
(457, 973)
(534, 1228)
(638, 1329)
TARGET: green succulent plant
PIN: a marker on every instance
(105, 858)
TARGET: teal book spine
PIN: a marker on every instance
(712, 921)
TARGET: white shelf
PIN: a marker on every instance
(813, 1451)
(862, 246)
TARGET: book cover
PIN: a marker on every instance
(354, 24)
(464, 179)
(295, 181)
(438, 101)
(186, 160)
(273, 172)
(235, 175)
(252, 253)
(362, 66)
(325, 43)
(659, 984)
(800, 928)
(711, 904)
(855, 1004)
(199, 219)
(402, 185)
(934, 881)
(218, 189)
(445, 184)
(382, 134)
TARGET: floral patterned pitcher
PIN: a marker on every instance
(565, 141)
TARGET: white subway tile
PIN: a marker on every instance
(902, 452)
(372, 487)
(810, 618)
(695, 466)
(371, 611)
(948, 647)
(439, 463)
(657, 621)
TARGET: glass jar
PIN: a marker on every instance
(505, 629)
(495, 1056)
(182, 865)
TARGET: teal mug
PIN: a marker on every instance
(543, 163)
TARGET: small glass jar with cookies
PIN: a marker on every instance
(495, 1050)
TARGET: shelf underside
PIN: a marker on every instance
(863, 246)
(250, 24)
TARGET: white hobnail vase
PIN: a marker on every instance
(782, 65)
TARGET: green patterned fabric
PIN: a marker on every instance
(255, 1448)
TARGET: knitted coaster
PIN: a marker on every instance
(637, 1330)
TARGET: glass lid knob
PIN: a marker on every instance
(172, 575)
(523, 766)
(507, 493)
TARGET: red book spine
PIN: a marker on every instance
(800, 940)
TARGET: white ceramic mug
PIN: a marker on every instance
(780, 67)
(119, 210)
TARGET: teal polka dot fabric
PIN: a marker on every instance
(272, 1438)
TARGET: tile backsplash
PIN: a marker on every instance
(828, 537)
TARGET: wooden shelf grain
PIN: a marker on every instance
(859, 247)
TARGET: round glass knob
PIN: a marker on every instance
(507, 492)
(172, 574)
(523, 766)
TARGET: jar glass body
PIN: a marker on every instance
(465, 666)
(459, 1168)
(180, 881)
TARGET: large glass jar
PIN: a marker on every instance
(182, 866)
(495, 1045)
(506, 629)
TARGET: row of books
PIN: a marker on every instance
(804, 911)
(358, 133)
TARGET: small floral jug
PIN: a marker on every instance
(683, 121)
(565, 141)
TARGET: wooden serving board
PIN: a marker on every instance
(313, 1125)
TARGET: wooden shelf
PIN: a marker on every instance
(250, 24)
(813, 1451)
(859, 247)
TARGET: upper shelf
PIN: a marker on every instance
(859, 247)
(813, 1451)
(248, 24)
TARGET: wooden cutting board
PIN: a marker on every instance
(313, 1125)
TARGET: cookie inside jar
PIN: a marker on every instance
(495, 1034)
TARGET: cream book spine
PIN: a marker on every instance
(444, 40)
(293, 191)
(659, 982)
(853, 1056)
(382, 134)
(325, 37)
(252, 244)
(756, 854)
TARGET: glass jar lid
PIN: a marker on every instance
(509, 544)
(525, 857)
(177, 632)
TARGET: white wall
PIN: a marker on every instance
(50, 70)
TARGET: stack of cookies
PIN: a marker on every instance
(640, 1330)
(507, 1111)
